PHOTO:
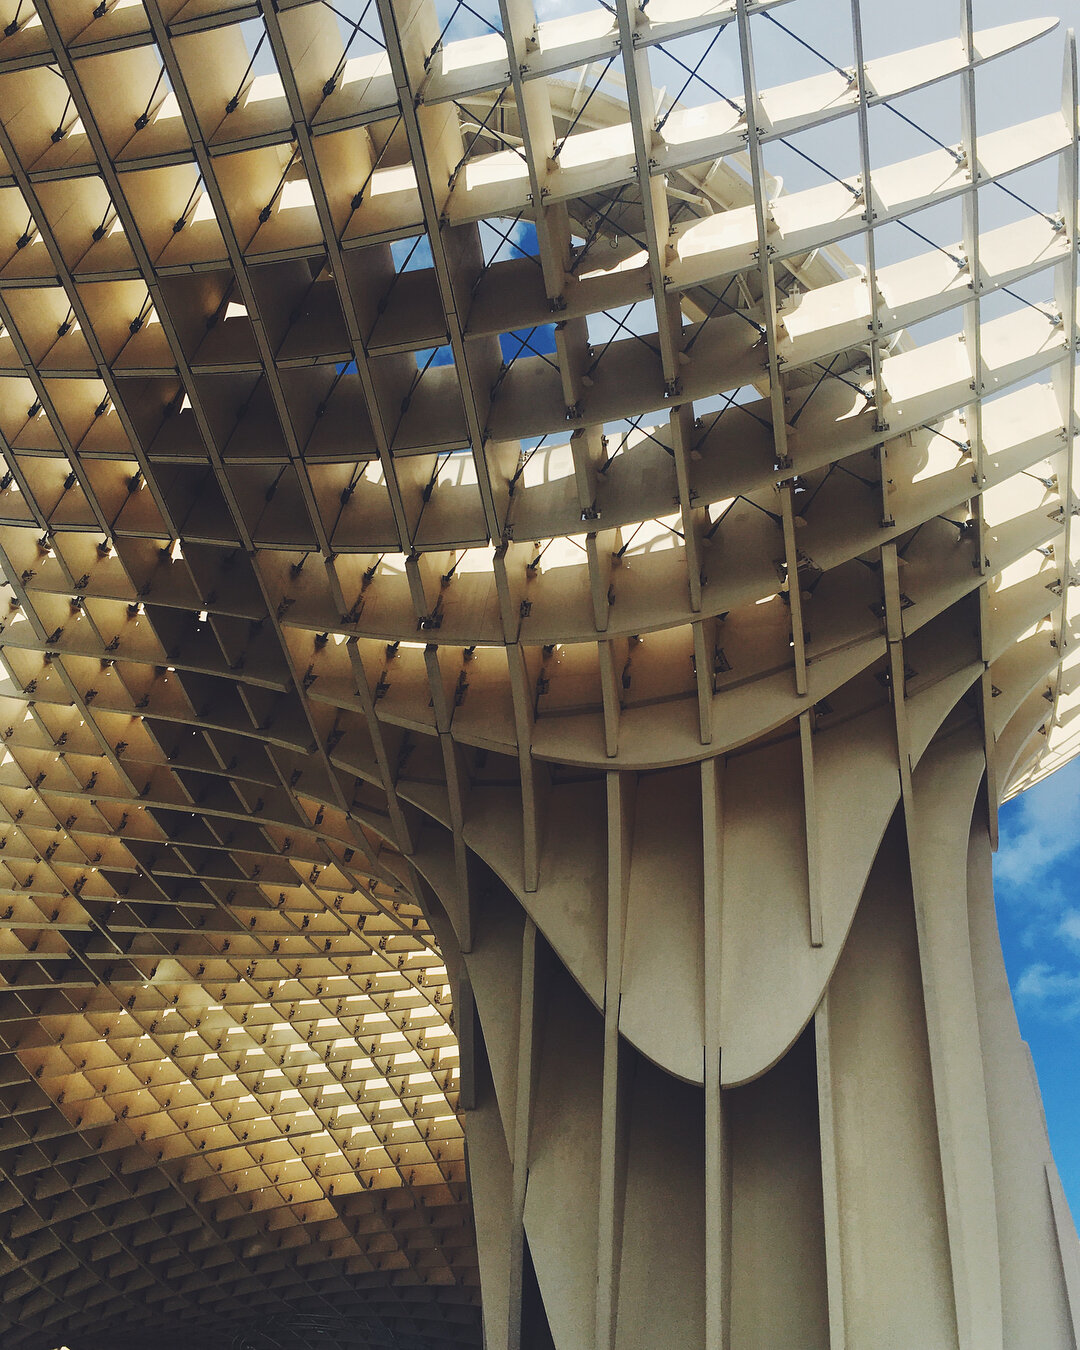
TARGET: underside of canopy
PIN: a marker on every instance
(472, 536)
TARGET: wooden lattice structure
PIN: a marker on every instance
(436, 461)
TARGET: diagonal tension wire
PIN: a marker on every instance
(441, 462)
(594, 233)
(61, 130)
(674, 215)
(399, 272)
(144, 313)
(267, 211)
(848, 75)
(358, 196)
(357, 27)
(774, 516)
(268, 496)
(181, 219)
(841, 467)
(654, 521)
(633, 536)
(345, 497)
(955, 257)
(759, 328)
(324, 402)
(693, 72)
(620, 326)
(347, 20)
(578, 115)
(13, 27)
(693, 75)
(481, 128)
(1054, 317)
(635, 425)
(1056, 222)
(524, 462)
(729, 402)
(714, 525)
(504, 239)
(234, 102)
(143, 119)
(960, 262)
(491, 130)
(98, 232)
(717, 301)
(958, 155)
(523, 345)
(826, 372)
(836, 375)
(461, 4)
(618, 228)
(855, 192)
(963, 446)
(536, 561)
(407, 400)
(805, 506)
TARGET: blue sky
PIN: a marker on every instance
(1037, 882)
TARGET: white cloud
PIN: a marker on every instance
(1044, 829)
(1037, 879)
(1053, 992)
(559, 9)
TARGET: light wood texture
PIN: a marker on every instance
(472, 540)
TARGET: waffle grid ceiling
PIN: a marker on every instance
(403, 408)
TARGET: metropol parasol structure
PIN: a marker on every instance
(534, 544)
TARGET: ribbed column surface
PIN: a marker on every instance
(565, 515)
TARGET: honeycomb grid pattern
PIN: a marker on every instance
(408, 411)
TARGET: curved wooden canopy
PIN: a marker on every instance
(356, 511)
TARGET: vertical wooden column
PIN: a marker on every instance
(519, 1159)
(937, 805)
(717, 1156)
(620, 806)
(830, 1180)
